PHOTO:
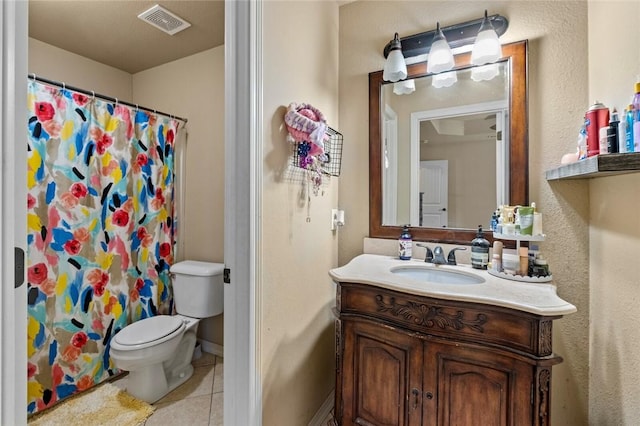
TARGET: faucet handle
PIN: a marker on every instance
(451, 258)
(428, 255)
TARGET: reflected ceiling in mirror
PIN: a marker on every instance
(432, 137)
(500, 102)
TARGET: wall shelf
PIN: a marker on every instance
(596, 166)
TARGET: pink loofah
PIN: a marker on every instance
(307, 124)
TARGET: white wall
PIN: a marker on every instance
(53, 63)
(614, 234)
(297, 245)
(557, 34)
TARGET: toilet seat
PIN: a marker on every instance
(148, 332)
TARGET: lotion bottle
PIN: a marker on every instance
(405, 244)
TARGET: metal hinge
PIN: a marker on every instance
(227, 276)
(18, 269)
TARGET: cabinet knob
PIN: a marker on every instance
(428, 395)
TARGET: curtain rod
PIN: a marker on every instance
(97, 95)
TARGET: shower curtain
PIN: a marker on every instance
(100, 233)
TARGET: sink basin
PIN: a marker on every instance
(440, 276)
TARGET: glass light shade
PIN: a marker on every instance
(405, 87)
(395, 69)
(486, 48)
(485, 72)
(440, 55)
(445, 79)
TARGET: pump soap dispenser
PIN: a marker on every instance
(479, 251)
(405, 244)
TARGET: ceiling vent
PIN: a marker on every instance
(164, 20)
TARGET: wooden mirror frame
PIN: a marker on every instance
(518, 149)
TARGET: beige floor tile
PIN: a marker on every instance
(218, 380)
(201, 383)
(217, 409)
(191, 411)
(205, 359)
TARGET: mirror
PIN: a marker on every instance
(470, 138)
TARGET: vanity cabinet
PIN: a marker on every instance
(408, 360)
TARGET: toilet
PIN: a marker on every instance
(157, 351)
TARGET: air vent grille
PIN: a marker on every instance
(164, 20)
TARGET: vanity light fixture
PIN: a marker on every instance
(440, 55)
(457, 36)
(395, 68)
(486, 48)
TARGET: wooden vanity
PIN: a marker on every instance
(414, 359)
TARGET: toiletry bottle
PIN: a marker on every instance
(628, 137)
(612, 133)
(496, 258)
(479, 251)
(582, 143)
(405, 244)
(622, 132)
(636, 118)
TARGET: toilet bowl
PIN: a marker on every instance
(157, 351)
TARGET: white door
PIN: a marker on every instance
(13, 212)
(434, 199)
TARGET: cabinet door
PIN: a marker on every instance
(382, 376)
(467, 386)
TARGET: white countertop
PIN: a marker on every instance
(536, 298)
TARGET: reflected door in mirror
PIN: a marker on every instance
(434, 188)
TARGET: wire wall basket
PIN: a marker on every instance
(331, 161)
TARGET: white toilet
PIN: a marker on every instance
(157, 351)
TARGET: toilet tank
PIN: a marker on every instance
(198, 288)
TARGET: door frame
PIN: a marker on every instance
(498, 107)
(243, 191)
(13, 211)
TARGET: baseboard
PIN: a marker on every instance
(323, 413)
(212, 348)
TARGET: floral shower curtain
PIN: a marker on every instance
(100, 233)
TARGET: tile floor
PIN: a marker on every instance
(197, 402)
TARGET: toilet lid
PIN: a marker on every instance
(148, 330)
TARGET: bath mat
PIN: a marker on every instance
(105, 405)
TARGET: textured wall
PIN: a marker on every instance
(557, 34)
(614, 391)
(300, 42)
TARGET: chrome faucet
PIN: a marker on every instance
(437, 255)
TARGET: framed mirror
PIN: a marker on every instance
(442, 159)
